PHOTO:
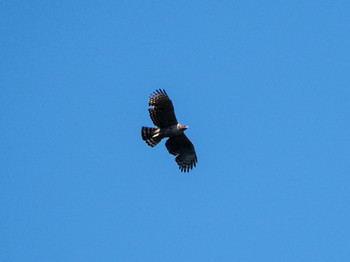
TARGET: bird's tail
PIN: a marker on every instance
(149, 135)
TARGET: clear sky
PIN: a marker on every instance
(264, 87)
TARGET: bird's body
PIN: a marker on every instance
(169, 131)
(163, 116)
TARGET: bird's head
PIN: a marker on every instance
(181, 127)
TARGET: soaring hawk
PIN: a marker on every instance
(163, 116)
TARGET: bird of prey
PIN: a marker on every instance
(163, 116)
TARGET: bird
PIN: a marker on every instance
(162, 114)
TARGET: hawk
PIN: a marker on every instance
(163, 116)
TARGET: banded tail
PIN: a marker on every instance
(148, 133)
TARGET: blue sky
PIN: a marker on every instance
(263, 86)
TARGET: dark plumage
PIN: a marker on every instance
(163, 116)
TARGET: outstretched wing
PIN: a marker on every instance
(162, 110)
(183, 149)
